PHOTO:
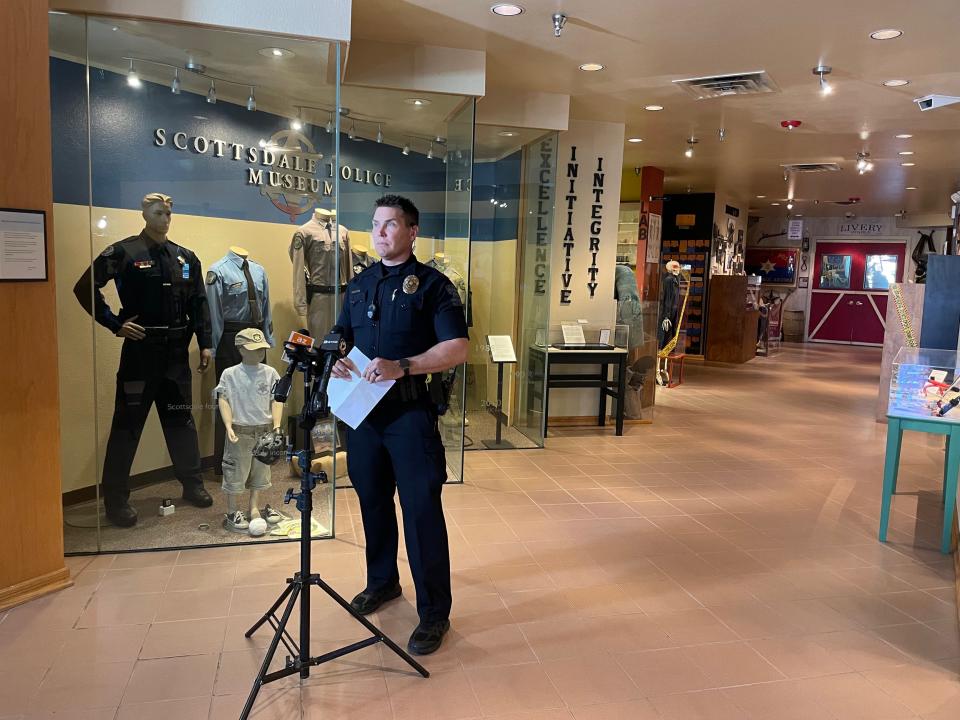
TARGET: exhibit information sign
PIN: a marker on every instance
(23, 249)
(573, 334)
(501, 348)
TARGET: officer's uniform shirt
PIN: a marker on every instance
(313, 253)
(403, 324)
(161, 285)
(227, 297)
(361, 261)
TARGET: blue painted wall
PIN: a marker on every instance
(126, 164)
(499, 181)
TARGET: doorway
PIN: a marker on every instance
(848, 298)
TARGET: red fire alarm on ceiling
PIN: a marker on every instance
(790, 124)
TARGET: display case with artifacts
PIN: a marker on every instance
(925, 384)
(733, 319)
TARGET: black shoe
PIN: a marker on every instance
(122, 515)
(197, 495)
(427, 637)
(369, 600)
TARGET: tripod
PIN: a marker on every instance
(298, 587)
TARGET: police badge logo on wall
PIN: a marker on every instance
(410, 284)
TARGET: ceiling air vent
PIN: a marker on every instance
(811, 167)
(751, 83)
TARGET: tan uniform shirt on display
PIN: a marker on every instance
(313, 253)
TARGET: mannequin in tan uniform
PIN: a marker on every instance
(317, 275)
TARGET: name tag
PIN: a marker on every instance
(236, 285)
(143, 264)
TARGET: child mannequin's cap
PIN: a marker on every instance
(251, 339)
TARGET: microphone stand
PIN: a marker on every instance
(299, 661)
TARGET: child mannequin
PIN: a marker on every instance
(248, 411)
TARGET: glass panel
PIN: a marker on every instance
(419, 148)
(505, 180)
(835, 272)
(881, 270)
(538, 201)
(218, 140)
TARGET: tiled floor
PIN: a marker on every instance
(721, 563)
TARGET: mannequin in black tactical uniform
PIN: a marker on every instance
(162, 306)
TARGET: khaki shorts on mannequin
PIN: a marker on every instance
(240, 471)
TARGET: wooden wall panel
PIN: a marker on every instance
(31, 553)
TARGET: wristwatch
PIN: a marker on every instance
(404, 364)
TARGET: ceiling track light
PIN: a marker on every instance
(329, 126)
(212, 93)
(297, 122)
(406, 148)
(251, 101)
(430, 151)
(559, 20)
(133, 80)
(175, 83)
(379, 133)
(822, 71)
(352, 135)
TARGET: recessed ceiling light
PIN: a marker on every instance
(888, 34)
(895, 83)
(507, 133)
(904, 136)
(906, 152)
(506, 9)
(907, 164)
(635, 140)
(591, 67)
(654, 108)
(774, 203)
(911, 188)
(199, 117)
(419, 102)
(276, 52)
(760, 197)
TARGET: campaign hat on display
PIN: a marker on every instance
(251, 339)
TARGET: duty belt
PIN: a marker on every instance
(324, 290)
(164, 333)
(407, 389)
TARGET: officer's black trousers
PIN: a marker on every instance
(151, 373)
(398, 447)
(228, 355)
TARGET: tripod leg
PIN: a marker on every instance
(370, 626)
(271, 611)
(293, 590)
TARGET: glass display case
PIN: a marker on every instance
(925, 384)
(213, 191)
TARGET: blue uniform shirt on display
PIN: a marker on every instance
(386, 315)
(228, 298)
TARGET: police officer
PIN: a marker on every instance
(409, 318)
(162, 306)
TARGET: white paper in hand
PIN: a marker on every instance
(352, 400)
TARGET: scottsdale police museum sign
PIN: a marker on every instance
(284, 168)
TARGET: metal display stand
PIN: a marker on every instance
(501, 352)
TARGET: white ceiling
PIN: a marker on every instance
(646, 45)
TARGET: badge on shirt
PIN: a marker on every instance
(211, 277)
(410, 284)
(236, 285)
(143, 264)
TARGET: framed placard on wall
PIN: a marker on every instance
(23, 245)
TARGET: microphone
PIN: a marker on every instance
(295, 348)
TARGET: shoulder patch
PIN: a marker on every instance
(454, 295)
(297, 242)
(211, 277)
(107, 252)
